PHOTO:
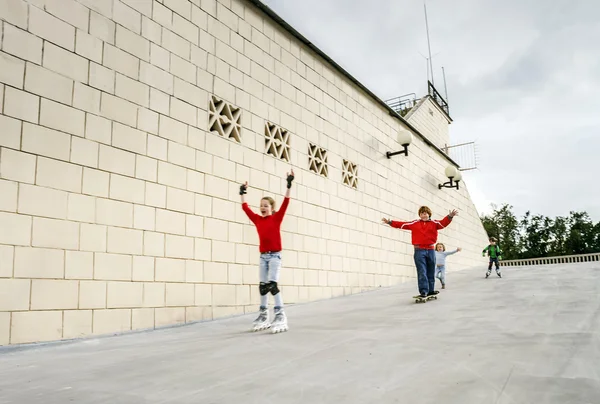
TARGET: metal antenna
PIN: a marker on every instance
(428, 42)
(445, 87)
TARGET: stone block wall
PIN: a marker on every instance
(126, 127)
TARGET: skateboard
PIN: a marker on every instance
(419, 299)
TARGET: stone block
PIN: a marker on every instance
(156, 195)
(10, 128)
(102, 78)
(21, 105)
(77, 323)
(112, 267)
(47, 294)
(22, 44)
(36, 326)
(143, 269)
(132, 90)
(48, 84)
(14, 12)
(88, 46)
(127, 17)
(118, 109)
(46, 142)
(93, 237)
(154, 294)
(154, 244)
(114, 213)
(17, 166)
(84, 152)
(179, 247)
(169, 316)
(66, 63)
(170, 270)
(51, 28)
(203, 295)
(59, 175)
(111, 321)
(125, 241)
(224, 295)
(124, 294)
(39, 263)
(79, 265)
(144, 217)
(179, 294)
(102, 27)
(92, 295)
(127, 189)
(52, 233)
(87, 98)
(95, 182)
(14, 294)
(116, 161)
(142, 319)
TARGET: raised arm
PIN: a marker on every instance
(398, 224)
(290, 178)
(452, 252)
(251, 215)
(446, 220)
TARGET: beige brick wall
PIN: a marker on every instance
(119, 207)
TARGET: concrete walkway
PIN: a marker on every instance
(530, 337)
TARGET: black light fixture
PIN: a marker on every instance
(404, 138)
(453, 175)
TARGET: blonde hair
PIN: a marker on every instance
(443, 246)
(271, 202)
(425, 209)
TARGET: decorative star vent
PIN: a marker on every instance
(317, 160)
(277, 142)
(224, 119)
(349, 174)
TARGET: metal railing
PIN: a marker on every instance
(437, 97)
(565, 259)
(403, 104)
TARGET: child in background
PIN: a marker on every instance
(424, 237)
(495, 254)
(440, 262)
(268, 225)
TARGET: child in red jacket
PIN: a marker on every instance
(268, 225)
(424, 237)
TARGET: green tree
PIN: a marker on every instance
(536, 233)
(581, 237)
(558, 237)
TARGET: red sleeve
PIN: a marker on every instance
(251, 215)
(443, 223)
(403, 225)
(281, 212)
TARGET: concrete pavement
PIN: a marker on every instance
(530, 337)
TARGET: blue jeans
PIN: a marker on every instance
(494, 261)
(269, 267)
(440, 273)
(425, 262)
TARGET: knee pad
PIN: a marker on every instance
(273, 287)
(263, 288)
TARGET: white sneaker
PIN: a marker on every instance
(279, 323)
(262, 321)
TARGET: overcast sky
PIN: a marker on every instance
(523, 82)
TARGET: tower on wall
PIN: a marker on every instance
(429, 114)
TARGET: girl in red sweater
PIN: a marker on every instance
(424, 237)
(268, 225)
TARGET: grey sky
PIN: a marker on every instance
(523, 81)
